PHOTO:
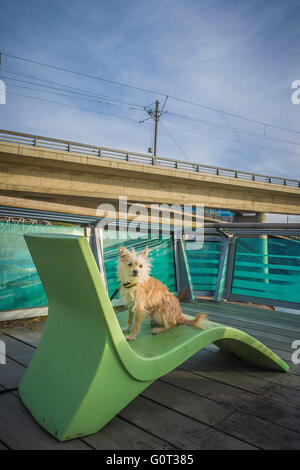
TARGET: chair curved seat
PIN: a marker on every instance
(84, 371)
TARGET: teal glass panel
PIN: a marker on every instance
(204, 265)
(161, 257)
(267, 268)
(20, 286)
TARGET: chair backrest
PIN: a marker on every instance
(73, 283)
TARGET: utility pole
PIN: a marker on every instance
(155, 115)
(156, 118)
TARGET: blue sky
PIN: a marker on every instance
(236, 56)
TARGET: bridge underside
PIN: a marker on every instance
(51, 180)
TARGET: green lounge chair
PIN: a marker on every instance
(84, 371)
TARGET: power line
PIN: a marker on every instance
(85, 92)
(175, 142)
(238, 116)
(165, 126)
(72, 106)
(210, 108)
(85, 97)
(231, 141)
(237, 131)
(233, 129)
(63, 69)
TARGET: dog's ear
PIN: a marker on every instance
(124, 253)
(145, 252)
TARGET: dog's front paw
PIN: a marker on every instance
(129, 337)
(126, 329)
(155, 331)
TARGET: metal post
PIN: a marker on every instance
(221, 279)
(184, 278)
(229, 268)
(95, 238)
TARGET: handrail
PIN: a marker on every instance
(110, 153)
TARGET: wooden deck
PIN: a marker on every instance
(210, 402)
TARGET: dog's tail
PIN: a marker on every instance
(196, 322)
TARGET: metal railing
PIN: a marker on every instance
(114, 154)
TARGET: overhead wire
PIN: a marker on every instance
(232, 129)
(72, 106)
(175, 142)
(119, 101)
(183, 100)
(82, 92)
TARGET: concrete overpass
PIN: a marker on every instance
(56, 175)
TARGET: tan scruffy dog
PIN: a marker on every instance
(145, 295)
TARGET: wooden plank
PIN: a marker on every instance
(227, 376)
(216, 362)
(259, 432)
(272, 340)
(19, 431)
(254, 330)
(17, 350)
(253, 325)
(11, 374)
(277, 412)
(248, 322)
(121, 435)
(284, 394)
(205, 410)
(258, 315)
(269, 339)
(180, 431)
(286, 356)
(28, 335)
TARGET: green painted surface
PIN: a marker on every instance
(271, 273)
(84, 371)
(204, 265)
(20, 286)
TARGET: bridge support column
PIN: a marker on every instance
(259, 217)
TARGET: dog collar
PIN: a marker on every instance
(129, 284)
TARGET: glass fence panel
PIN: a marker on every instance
(268, 268)
(204, 265)
(20, 285)
(161, 257)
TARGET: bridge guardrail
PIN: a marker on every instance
(104, 152)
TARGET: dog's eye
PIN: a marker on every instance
(129, 264)
(141, 265)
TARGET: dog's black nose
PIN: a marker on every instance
(135, 272)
